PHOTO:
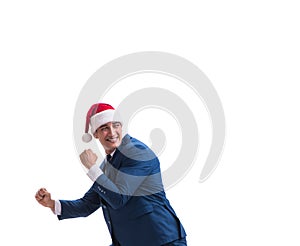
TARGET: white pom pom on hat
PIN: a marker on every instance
(98, 115)
(87, 137)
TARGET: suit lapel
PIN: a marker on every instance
(110, 169)
(116, 159)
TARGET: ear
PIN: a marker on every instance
(96, 135)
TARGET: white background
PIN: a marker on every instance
(248, 49)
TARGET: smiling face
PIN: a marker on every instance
(109, 135)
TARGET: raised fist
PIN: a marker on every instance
(88, 158)
(44, 198)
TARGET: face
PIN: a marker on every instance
(109, 135)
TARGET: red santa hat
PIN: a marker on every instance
(98, 115)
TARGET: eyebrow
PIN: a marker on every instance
(103, 125)
(113, 122)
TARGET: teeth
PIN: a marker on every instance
(112, 140)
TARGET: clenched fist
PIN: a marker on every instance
(44, 198)
(88, 158)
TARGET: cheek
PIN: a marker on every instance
(102, 139)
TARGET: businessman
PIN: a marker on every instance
(127, 186)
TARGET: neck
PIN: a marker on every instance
(109, 151)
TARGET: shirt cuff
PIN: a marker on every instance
(94, 172)
(57, 208)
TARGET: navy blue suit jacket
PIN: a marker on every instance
(131, 194)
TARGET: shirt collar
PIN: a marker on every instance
(112, 153)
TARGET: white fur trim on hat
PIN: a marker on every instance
(102, 118)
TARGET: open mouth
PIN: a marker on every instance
(112, 140)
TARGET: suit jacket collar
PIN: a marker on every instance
(116, 159)
(126, 139)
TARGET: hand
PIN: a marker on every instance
(88, 158)
(44, 198)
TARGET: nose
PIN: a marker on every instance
(112, 130)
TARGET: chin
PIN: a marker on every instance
(117, 144)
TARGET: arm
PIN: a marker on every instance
(82, 207)
(136, 176)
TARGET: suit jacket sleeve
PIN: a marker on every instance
(82, 207)
(134, 177)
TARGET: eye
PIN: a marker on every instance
(116, 125)
(104, 129)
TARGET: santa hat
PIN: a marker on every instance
(98, 115)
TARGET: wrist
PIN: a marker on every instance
(51, 205)
(94, 172)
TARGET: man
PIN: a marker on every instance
(128, 187)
